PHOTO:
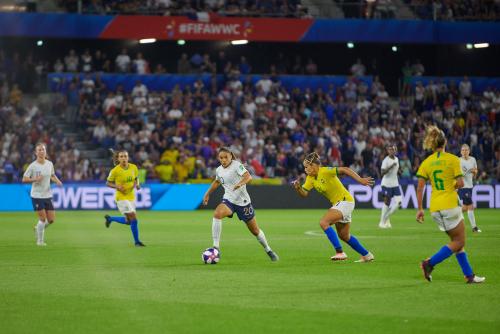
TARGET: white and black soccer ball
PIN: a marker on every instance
(210, 256)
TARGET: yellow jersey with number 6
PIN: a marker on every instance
(328, 184)
(441, 169)
(125, 178)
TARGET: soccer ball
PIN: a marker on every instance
(210, 256)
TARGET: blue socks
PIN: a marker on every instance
(354, 243)
(334, 239)
(441, 255)
(135, 230)
(464, 264)
(120, 219)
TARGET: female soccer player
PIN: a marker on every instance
(390, 187)
(325, 180)
(469, 168)
(39, 173)
(443, 171)
(124, 178)
(233, 176)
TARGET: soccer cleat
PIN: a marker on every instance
(427, 269)
(367, 258)
(339, 257)
(476, 230)
(108, 220)
(274, 257)
(382, 225)
(139, 244)
(475, 279)
(388, 223)
(41, 243)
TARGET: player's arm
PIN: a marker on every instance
(474, 170)
(420, 199)
(385, 169)
(113, 185)
(366, 181)
(457, 172)
(459, 183)
(27, 178)
(300, 189)
(215, 184)
(56, 180)
(244, 180)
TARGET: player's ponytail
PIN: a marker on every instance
(313, 158)
(227, 150)
(434, 138)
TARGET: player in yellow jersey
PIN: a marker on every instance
(443, 171)
(325, 180)
(124, 178)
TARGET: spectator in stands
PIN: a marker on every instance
(465, 88)
(141, 66)
(358, 69)
(122, 62)
(71, 61)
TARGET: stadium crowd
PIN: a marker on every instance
(281, 8)
(449, 10)
(174, 134)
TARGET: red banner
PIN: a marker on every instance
(219, 28)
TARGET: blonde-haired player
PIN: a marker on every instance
(469, 168)
(124, 178)
(325, 180)
(443, 171)
(39, 173)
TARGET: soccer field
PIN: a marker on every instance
(92, 279)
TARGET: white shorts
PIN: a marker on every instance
(346, 208)
(448, 219)
(125, 206)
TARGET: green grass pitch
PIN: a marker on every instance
(90, 279)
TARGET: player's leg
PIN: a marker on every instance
(221, 211)
(385, 208)
(451, 221)
(469, 207)
(457, 236)
(343, 229)
(51, 217)
(40, 227)
(132, 219)
(261, 237)
(332, 216)
(122, 206)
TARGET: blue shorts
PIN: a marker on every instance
(465, 195)
(390, 192)
(245, 213)
(42, 204)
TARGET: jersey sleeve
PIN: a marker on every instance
(112, 176)
(475, 163)
(457, 169)
(308, 185)
(28, 172)
(384, 164)
(52, 172)
(241, 169)
(422, 171)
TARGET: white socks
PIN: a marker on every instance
(385, 208)
(216, 231)
(262, 240)
(472, 218)
(40, 231)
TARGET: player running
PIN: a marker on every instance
(443, 171)
(325, 180)
(469, 168)
(124, 178)
(390, 187)
(233, 176)
(39, 173)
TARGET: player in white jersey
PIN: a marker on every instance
(233, 176)
(469, 168)
(390, 187)
(39, 173)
